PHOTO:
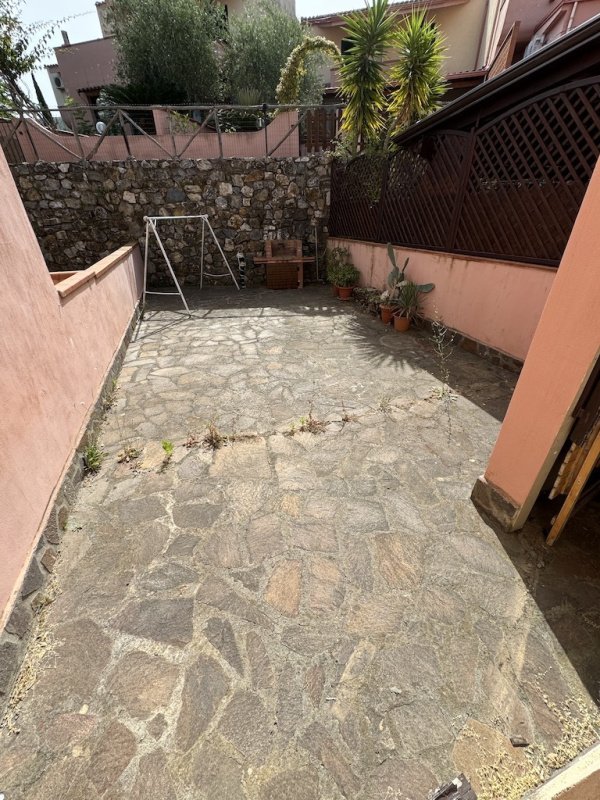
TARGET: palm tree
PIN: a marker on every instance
(416, 77)
(362, 76)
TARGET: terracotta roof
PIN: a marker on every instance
(336, 18)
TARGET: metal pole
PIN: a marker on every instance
(166, 257)
(223, 254)
(145, 265)
(265, 109)
(202, 254)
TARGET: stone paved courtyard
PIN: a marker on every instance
(303, 615)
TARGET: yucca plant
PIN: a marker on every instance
(416, 77)
(362, 75)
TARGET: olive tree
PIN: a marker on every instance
(166, 51)
(260, 40)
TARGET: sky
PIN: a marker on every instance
(84, 25)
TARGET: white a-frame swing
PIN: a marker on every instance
(151, 225)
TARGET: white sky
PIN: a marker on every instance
(85, 24)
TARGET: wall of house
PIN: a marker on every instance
(57, 343)
(85, 65)
(81, 213)
(563, 352)
(496, 303)
(462, 24)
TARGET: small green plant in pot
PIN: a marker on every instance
(337, 258)
(347, 279)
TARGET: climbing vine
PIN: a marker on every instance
(288, 90)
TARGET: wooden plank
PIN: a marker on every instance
(584, 473)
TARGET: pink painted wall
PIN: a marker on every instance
(496, 303)
(86, 65)
(563, 352)
(54, 354)
(39, 144)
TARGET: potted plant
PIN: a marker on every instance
(401, 300)
(409, 304)
(347, 277)
(337, 257)
(389, 298)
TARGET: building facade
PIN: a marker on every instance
(479, 34)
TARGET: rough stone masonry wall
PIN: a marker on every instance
(82, 211)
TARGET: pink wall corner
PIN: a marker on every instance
(494, 302)
(564, 350)
(54, 355)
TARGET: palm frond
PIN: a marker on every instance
(362, 76)
(416, 76)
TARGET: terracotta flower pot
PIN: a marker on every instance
(345, 292)
(401, 324)
(386, 314)
(335, 289)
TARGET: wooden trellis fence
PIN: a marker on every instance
(508, 189)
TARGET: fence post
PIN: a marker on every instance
(382, 197)
(265, 123)
(462, 190)
(124, 132)
(218, 127)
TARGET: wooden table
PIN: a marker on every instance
(291, 260)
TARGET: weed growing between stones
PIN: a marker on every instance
(110, 398)
(443, 347)
(385, 404)
(93, 456)
(213, 438)
(312, 424)
(580, 728)
(128, 454)
(169, 449)
(193, 440)
(346, 417)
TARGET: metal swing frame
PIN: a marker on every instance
(151, 225)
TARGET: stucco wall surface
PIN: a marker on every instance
(562, 355)
(54, 354)
(495, 303)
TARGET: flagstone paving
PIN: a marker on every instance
(293, 615)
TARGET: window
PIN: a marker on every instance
(345, 45)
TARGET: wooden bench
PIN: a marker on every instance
(284, 263)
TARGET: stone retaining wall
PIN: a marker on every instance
(82, 211)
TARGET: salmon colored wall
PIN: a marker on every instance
(39, 144)
(496, 303)
(54, 354)
(563, 352)
(86, 64)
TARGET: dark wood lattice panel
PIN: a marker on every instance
(510, 189)
(421, 191)
(528, 176)
(356, 188)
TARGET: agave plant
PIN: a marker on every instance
(362, 75)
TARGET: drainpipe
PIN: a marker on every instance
(478, 55)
